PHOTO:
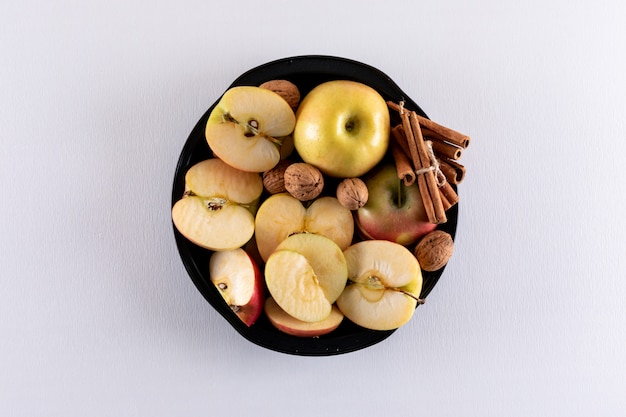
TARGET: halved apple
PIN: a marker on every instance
(246, 126)
(384, 284)
(305, 275)
(282, 215)
(290, 325)
(240, 282)
(215, 212)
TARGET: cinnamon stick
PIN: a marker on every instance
(425, 164)
(403, 165)
(446, 150)
(435, 129)
(452, 170)
(397, 133)
(415, 158)
(449, 194)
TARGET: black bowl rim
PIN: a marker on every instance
(324, 67)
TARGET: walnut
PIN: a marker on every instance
(352, 193)
(434, 250)
(303, 181)
(286, 89)
(274, 179)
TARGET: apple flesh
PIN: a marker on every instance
(246, 126)
(385, 281)
(215, 212)
(305, 275)
(393, 211)
(290, 325)
(342, 128)
(282, 215)
(239, 281)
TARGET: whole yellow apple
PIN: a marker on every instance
(342, 127)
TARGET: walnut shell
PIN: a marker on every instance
(352, 193)
(286, 89)
(434, 250)
(303, 181)
(274, 179)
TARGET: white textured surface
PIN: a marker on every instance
(97, 315)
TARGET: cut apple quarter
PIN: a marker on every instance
(215, 212)
(291, 325)
(384, 283)
(282, 215)
(245, 127)
(305, 275)
(240, 283)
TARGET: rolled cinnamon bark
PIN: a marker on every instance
(403, 165)
(433, 129)
(446, 150)
(452, 170)
(425, 164)
(415, 158)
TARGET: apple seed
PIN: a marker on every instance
(216, 203)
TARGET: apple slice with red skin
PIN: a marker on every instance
(240, 282)
(290, 325)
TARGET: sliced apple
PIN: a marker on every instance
(385, 281)
(282, 215)
(290, 325)
(216, 210)
(240, 282)
(246, 126)
(305, 275)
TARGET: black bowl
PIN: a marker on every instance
(306, 72)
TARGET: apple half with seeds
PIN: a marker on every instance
(384, 284)
(305, 275)
(247, 126)
(282, 215)
(216, 209)
(240, 282)
(291, 325)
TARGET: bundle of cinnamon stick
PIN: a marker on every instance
(428, 153)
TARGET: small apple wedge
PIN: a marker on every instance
(240, 282)
(245, 127)
(290, 325)
(384, 283)
(305, 275)
(215, 212)
(282, 215)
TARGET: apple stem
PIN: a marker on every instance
(408, 294)
(399, 193)
(374, 283)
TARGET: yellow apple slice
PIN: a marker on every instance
(325, 257)
(385, 281)
(215, 212)
(305, 275)
(245, 127)
(291, 325)
(293, 284)
(282, 215)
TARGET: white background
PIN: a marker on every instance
(98, 316)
